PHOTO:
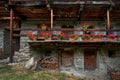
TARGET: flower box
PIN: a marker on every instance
(111, 37)
(86, 37)
(73, 37)
(46, 35)
(31, 36)
(97, 39)
(59, 36)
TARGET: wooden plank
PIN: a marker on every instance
(90, 60)
(11, 35)
(108, 19)
(67, 58)
(6, 18)
(51, 18)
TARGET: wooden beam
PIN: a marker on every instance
(11, 35)
(82, 2)
(51, 18)
(23, 0)
(6, 18)
(108, 19)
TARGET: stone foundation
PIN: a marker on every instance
(39, 59)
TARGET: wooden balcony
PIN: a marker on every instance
(67, 33)
(79, 42)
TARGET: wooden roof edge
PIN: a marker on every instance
(66, 3)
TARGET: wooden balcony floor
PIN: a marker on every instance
(67, 43)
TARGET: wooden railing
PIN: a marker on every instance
(77, 35)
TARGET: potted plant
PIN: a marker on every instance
(97, 37)
(43, 26)
(84, 26)
(111, 37)
(46, 35)
(59, 36)
(31, 36)
(86, 37)
(74, 37)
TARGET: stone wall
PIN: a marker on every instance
(100, 73)
(103, 63)
(3, 24)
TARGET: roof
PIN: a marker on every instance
(62, 9)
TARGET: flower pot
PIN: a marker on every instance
(48, 39)
(110, 39)
(44, 27)
(32, 38)
(97, 39)
(86, 40)
(72, 39)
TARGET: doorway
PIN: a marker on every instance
(90, 59)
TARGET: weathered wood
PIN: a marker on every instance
(51, 18)
(115, 75)
(90, 60)
(11, 35)
(48, 63)
(7, 18)
(108, 19)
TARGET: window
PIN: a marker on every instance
(48, 53)
(111, 53)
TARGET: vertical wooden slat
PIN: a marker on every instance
(108, 19)
(51, 18)
(11, 34)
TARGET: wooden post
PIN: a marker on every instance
(108, 19)
(51, 18)
(11, 35)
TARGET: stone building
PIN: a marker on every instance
(79, 57)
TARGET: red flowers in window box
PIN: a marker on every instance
(46, 34)
(84, 26)
(85, 36)
(111, 35)
(59, 36)
(31, 36)
(74, 36)
(98, 35)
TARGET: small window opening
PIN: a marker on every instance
(111, 53)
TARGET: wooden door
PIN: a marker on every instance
(90, 60)
(67, 58)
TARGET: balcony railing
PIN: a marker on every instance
(76, 35)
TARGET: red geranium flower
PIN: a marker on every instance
(31, 36)
(46, 34)
(111, 35)
(60, 35)
(75, 36)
